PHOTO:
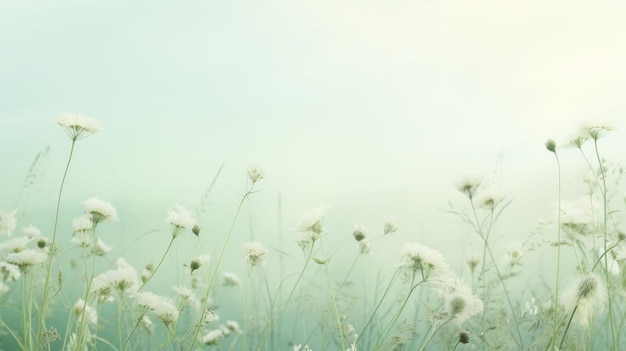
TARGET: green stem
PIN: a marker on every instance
(44, 301)
(558, 255)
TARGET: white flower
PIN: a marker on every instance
(90, 313)
(31, 232)
(213, 337)
(82, 223)
(463, 305)
(531, 308)
(162, 309)
(424, 258)
(233, 327)
(360, 232)
(9, 271)
(14, 245)
(101, 248)
(469, 185)
(7, 222)
(122, 279)
(490, 199)
(146, 323)
(77, 126)
(255, 174)
(588, 295)
(179, 219)
(514, 254)
(99, 211)
(364, 246)
(253, 253)
(297, 348)
(231, 279)
(26, 259)
(187, 297)
(312, 221)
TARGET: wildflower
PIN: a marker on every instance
(9, 271)
(101, 248)
(78, 126)
(472, 262)
(586, 296)
(99, 211)
(196, 230)
(90, 313)
(364, 246)
(43, 243)
(213, 337)
(231, 279)
(82, 223)
(255, 174)
(253, 253)
(26, 259)
(469, 185)
(187, 297)
(391, 225)
(463, 306)
(596, 132)
(233, 327)
(360, 232)
(531, 308)
(14, 245)
(31, 232)
(490, 199)
(179, 219)
(163, 310)
(7, 223)
(147, 272)
(197, 262)
(464, 337)
(310, 227)
(297, 348)
(122, 279)
(423, 258)
(146, 323)
(551, 145)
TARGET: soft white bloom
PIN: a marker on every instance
(463, 306)
(78, 126)
(9, 271)
(89, 312)
(213, 337)
(253, 253)
(99, 210)
(233, 327)
(352, 346)
(469, 185)
(514, 254)
(82, 223)
(14, 245)
(364, 246)
(179, 219)
(297, 348)
(391, 225)
(360, 232)
(146, 323)
(312, 221)
(26, 259)
(255, 174)
(531, 308)
(31, 232)
(101, 248)
(187, 297)
(8, 222)
(423, 258)
(588, 294)
(161, 308)
(231, 279)
(490, 199)
(122, 279)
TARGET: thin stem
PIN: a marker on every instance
(44, 300)
(558, 253)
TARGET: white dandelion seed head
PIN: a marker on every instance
(589, 293)
(78, 126)
(99, 210)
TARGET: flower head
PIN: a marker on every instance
(423, 258)
(469, 185)
(255, 174)
(26, 259)
(90, 313)
(253, 253)
(213, 337)
(179, 219)
(310, 227)
(231, 279)
(9, 271)
(551, 145)
(78, 126)
(99, 211)
(391, 225)
(7, 222)
(162, 308)
(585, 297)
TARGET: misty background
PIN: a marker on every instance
(372, 107)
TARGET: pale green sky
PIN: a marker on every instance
(375, 107)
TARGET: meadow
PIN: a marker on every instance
(80, 294)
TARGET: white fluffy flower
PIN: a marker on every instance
(588, 295)
(14, 245)
(469, 185)
(101, 248)
(161, 308)
(7, 222)
(89, 312)
(391, 225)
(122, 279)
(98, 210)
(255, 174)
(179, 219)
(231, 279)
(253, 253)
(233, 327)
(26, 259)
(213, 337)
(187, 297)
(9, 271)
(312, 221)
(423, 258)
(463, 305)
(78, 126)
(31, 232)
